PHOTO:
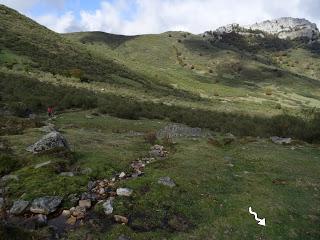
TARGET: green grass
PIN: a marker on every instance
(211, 196)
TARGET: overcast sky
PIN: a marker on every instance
(155, 16)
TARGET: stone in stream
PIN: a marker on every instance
(19, 207)
(51, 141)
(124, 192)
(107, 206)
(167, 181)
(45, 205)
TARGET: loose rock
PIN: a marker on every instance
(158, 151)
(122, 175)
(72, 220)
(85, 203)
(19, 207)
(40, 165)
(167, 181)
(67, 174)
(107, 206)
(9, 178)
(45, 205)
(124, 192)
(279, 140)
(120, 219)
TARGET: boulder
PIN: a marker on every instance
(158, 151)
(167, 181)
(120, 219)
(51, 141)
(124, 192)
(19, 207)
(279, 140)
(45, 205)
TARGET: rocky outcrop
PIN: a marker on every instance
(45, 205)
(288, 28)
(51, 141)
(283, 28)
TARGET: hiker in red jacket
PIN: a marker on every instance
(50, 111)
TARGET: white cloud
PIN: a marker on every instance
(60, 24)
(154, 16)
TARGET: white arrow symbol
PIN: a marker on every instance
(261, 222)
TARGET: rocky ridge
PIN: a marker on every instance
(283, 28)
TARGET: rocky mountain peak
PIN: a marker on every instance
(283, 28)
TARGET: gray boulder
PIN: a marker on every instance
(51, 141)
(167, 181)
(45, 205)
(108, 206)
(19, 207)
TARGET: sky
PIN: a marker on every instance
(132, 17)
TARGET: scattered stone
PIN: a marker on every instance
(72, 220)
(279, 140)
(91, 185)
(40, 165)
(67, 174)
(92, 196)
(123, 237)
(166, 181)
(10, 177)
(124, 192)
(42, 220)
(45, 205)
(158, 151)
(122, 175)
(85, 203)
(86, 171)
(53, 140)
(78, 212)
(120, 219)
(107, 206)
(19, 207)
(66, 213)
(73, 198)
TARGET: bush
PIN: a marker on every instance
(150, 137)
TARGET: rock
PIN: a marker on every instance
(138, 166)
(73, 198)
(124, 192)
(288, 27)
(91, 185)
(122, 175)
(85, 203)
(51, 141)
(72, 220)
(167, 181)
(279, 140)
(9, 178)
(92, 196)
(78, 212)
(19, 207)
(120, 219)
(67, 174)
(158, 151)
(107, 206)
(86, 171)
(48, 128)
(1, 203)
(45, 205)
(42, 220)
(40, 165)
(66, 213)
(123, 237)
(180, 130)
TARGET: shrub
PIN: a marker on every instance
(150, 137)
